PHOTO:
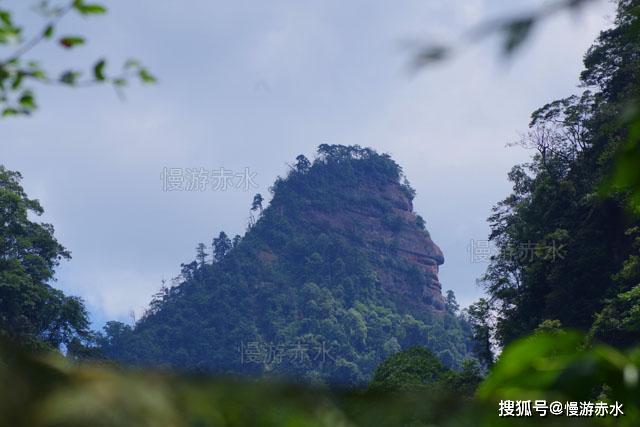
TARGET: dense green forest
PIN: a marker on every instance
(322, 287)
(567, 239)
(33, 312)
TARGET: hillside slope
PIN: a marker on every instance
(336, 274)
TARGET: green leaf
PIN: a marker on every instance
(516, 32)
(8, 32)
(39, 74)
(48, 32)
(98, 70)
(17, 81)
(131, 63)
(89, 8)
(27, 101)
(145, 76)
(8, 112)
(69, 77)
(72, 41)
(5, 17)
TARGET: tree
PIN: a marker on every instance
(466, 382)
(479, 316)
(619, 321)
(549, 327)
(201, 255)
(18, 73)
(187, 271)
(159, 298)
(412, 369)
(112, 339)
(257, 203)
(31, 311)
(562, 232)
(451, 303)
(302, 164)
(221, 245)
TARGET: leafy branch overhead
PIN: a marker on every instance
(512, 31)
(19, 74)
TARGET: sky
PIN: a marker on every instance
(247, 86)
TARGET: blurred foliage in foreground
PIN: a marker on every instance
(49, 390)
(19, 72)
(609, 109)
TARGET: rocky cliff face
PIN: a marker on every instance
(414, 244)
(390, 233)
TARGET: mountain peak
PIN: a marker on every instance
(362, 195)
(338, 261)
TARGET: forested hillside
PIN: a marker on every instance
(568, 234)
(335, 275)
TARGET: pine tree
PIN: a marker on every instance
(221, 246)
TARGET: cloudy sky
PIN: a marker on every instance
(249, 84)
